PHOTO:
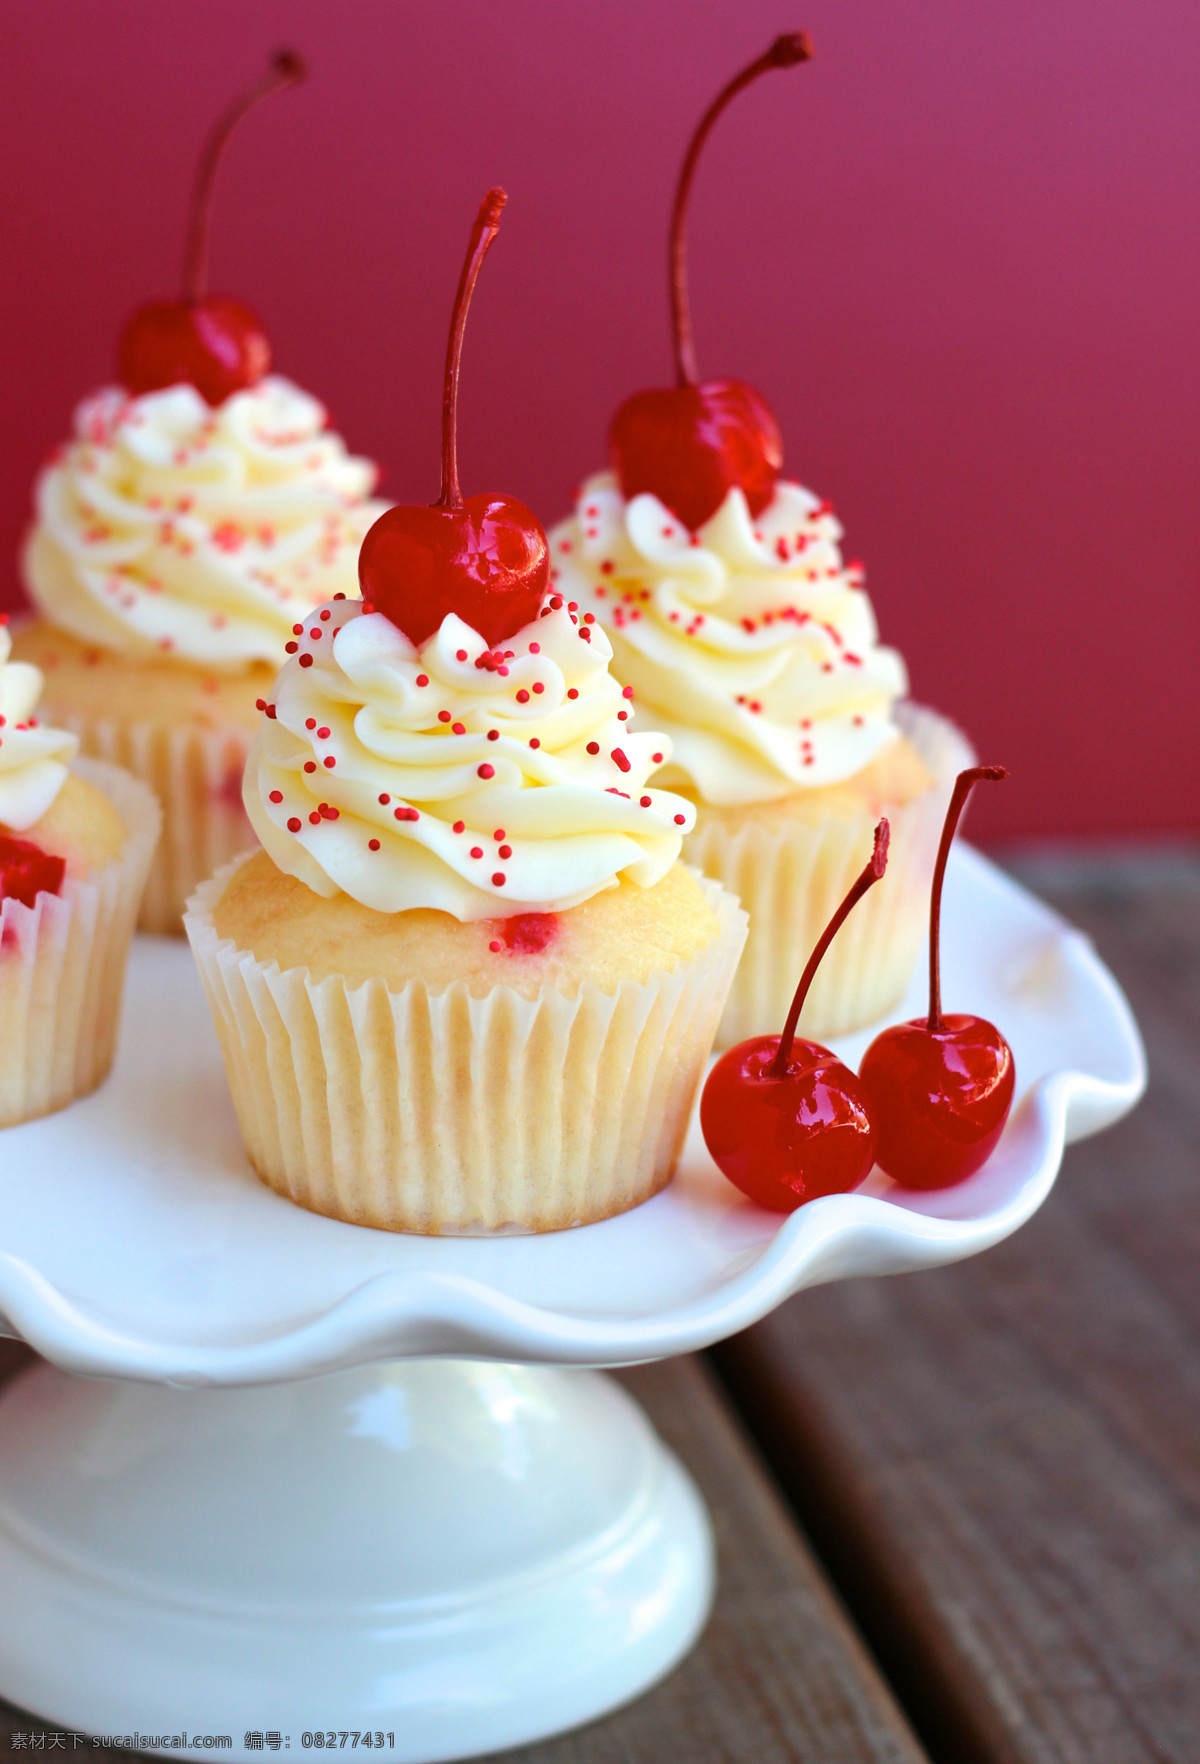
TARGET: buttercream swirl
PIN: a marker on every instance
(750, 642)
(168, 527)
(479, 783)
(33, 760)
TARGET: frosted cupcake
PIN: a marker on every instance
(752, 644)
(75, 848)
(466, 985)
(199, 511)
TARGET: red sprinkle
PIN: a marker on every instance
(290, 648)
(495, 946)
(499, 833)
(619, 760)
(315, 818)
(627, 692)
(593, 747)
(572, 692)
(306, 661)
(384, 798)
(522, 696)
(477, 851)
(373, 844)
(680, 819)
(643, 802)
(498, 879)
(486, 771)
(443, 716)
(460, 826)
(297, 630)
(534, 742)
(260, 704)
(277, 796)
(322, 734)
(310, 723)
(657, 758)
(325, 613)
(505, 851)
(422, 679)
(310, 765)
(330, 761)
(460, 655)
(493, 734)
(294, 824)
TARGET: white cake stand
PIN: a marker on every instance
(319, 1481)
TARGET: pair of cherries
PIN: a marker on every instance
(787, 1122)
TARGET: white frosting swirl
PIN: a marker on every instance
(33, 760)
(749, 643)
(168, 527)
(482, 784)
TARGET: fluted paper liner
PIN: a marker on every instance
(444, 1113)
(196, 775)
(790, 877)
(62, 965)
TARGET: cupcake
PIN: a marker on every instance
(199, 511)
(76, 840)
(466, 985)
(752, 645)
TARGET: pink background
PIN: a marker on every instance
(960, 253)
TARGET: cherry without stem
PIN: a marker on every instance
(940, 1086)
(784, 1119)
(485, 558)
(27, 871)
(692, 443)
(208, 341)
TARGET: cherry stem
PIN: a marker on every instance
(487, 225)
(286, 69)
(785, 51)
(871, 873)
(963, 786)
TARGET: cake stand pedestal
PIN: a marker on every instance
(307, 1485)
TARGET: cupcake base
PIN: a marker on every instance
(184, 730)
(62, 966)
(441, 1113)
(790, 873)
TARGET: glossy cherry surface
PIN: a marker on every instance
(692, 443)
(941, 1086)
(209, 341)
(485, 558)
(689, 446)
(27, 871)
(784, 1119)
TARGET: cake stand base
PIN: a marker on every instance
(430, 1557)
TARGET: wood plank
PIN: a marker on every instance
(779, 1675)
(1000, 1462)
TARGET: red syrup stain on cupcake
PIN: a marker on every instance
(783, 1118)
(485, 558)
(209, 341)
(524, 934)
(941, 1086)
(692, 443)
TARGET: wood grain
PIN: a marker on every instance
(779, 1676)
(1000, 1462)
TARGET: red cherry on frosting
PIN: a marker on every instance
(691, 444)
(208, 341)
(27, 871)
(485, 559)
(784, 1118)
(940, 1086)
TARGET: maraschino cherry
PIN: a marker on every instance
(940, 1086)
(208, 341)
(27, 871)
(485, 558)
(784, 1119)
(690, 444)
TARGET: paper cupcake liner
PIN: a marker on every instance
(62, 966)
(441, 1113)
(790, 877)
(196, 775)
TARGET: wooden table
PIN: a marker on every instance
(997, 1466)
